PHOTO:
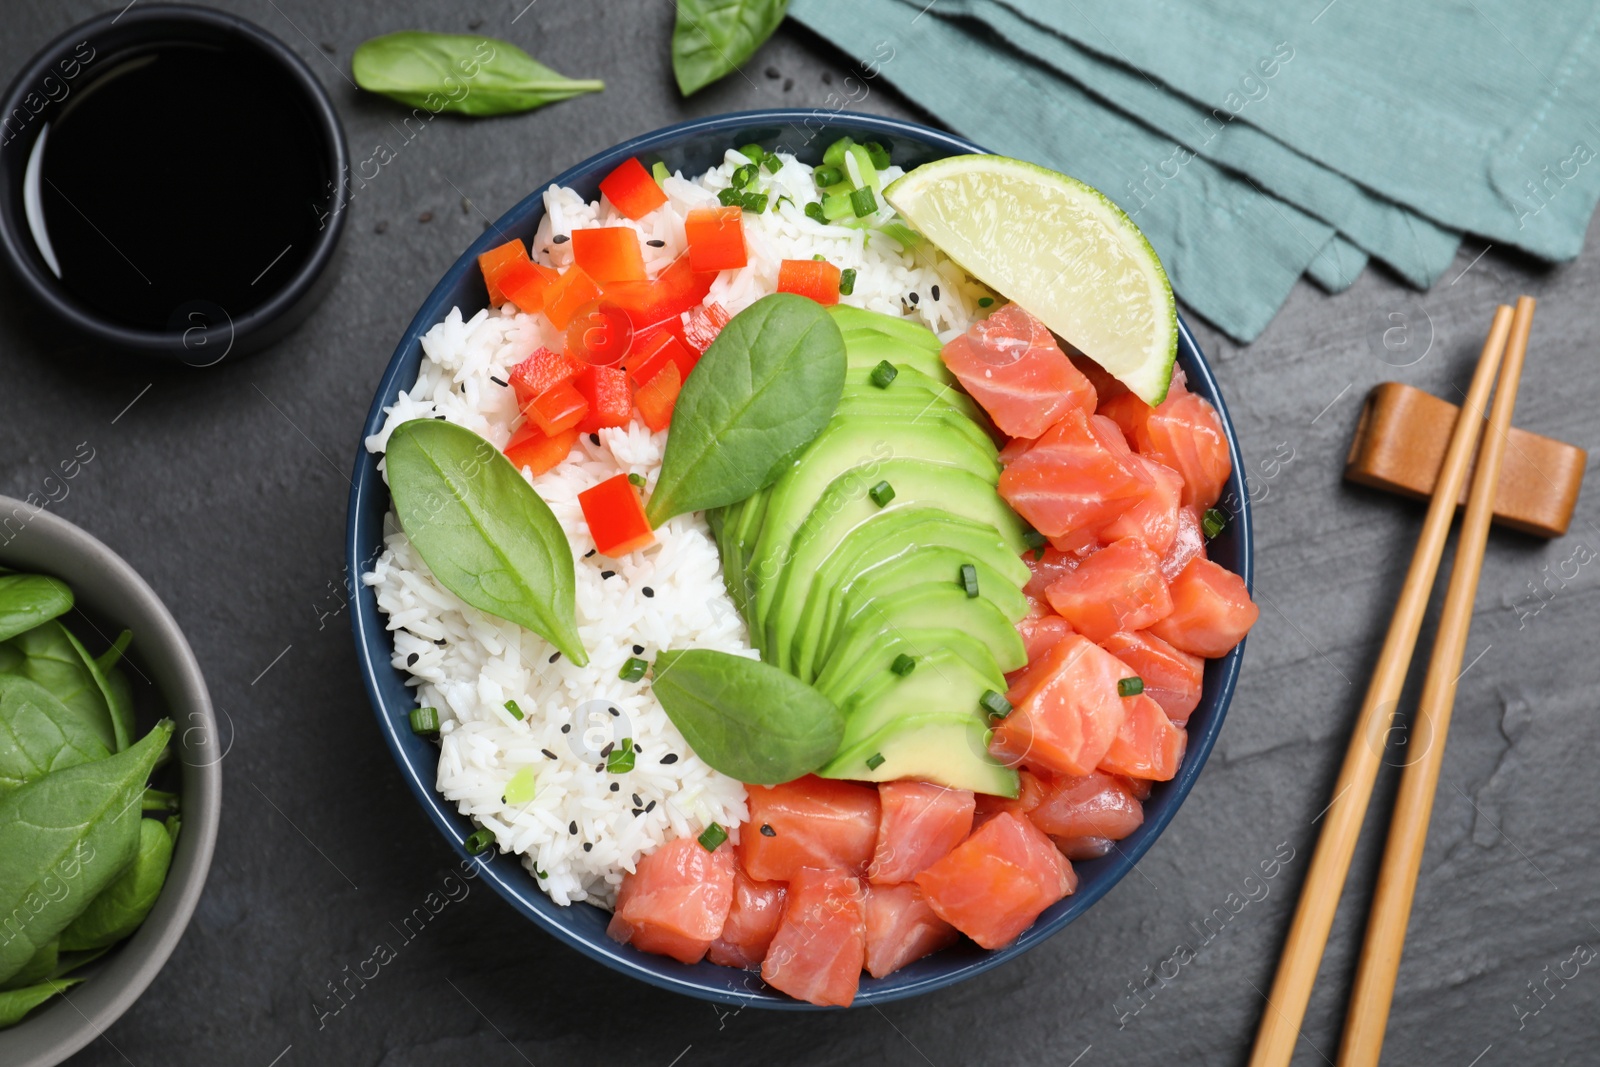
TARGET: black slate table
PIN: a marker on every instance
(226, 488)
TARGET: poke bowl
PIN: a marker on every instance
(406, 638)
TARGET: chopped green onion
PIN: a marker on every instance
(1130, 687)
(814, 213)
(521, 788)
(782, 199)
(878, 154)
(756, 202)
(425, 721)
(985, 301)
(847, 281)
(862, 202)
(743, 176)
(995, 704)
(636, 479)
(834, 155)
(884, 373)
(753, 152)
(819, 257)
(771, 162)
(828, 176)
(714, 835)
(836, 206)
(620, 760)
(633, 669)
(658, 171)
(875, 761)
(881, 493)
(1213, 522)
(516, 712)
(479, 840)
(1034, 539)
(903, 664)
(969, 580)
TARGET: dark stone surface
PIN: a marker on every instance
(226, 489)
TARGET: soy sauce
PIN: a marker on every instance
(184, 176)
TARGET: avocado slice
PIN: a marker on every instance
(852, 318)
(908, 377)
(919, 608)
(949, 749)
(865, 349)
(943, 681)
(874, 657)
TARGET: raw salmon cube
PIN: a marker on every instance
(996, 882)
(1034, 787)
(752, 920)
(1154, 518)
(902, 928)
(1090, 805)
(1066, 711)
(1189, 542)
(1076, 478)
(676, 900)
(1149, 745)
(1045, 566)
(1171, 678)
(1211, 610)
(919, 823)
(1117, 588)
(1185, 433)
(814, 822)
(1040, 630)
(821, 944)
(1129, 413)
(1011, 365)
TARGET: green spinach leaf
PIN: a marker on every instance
(41, 966)
(16, 1004)
(712, 37)
(56, 660)
(39, 734)
(764, 389)
(26, 600)
(466, 74)
(746, 718)
(65, 837)
(483, 531)
(123, 905)
(113, 655)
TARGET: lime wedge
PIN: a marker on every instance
(1058, 248)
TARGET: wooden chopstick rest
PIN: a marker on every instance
(1399, 446)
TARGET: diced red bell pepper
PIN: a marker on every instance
(656, 397)
(531, 447)
(599, 334)
(609, 253)
(705, 321)
(561, 407)
(567, 294)
(539, 373)
(716, 238)
(527, 284)
(609, 395)
(662, 348)
(675, 290)
(632, 190)
(495, 261)
(616, 517)
(814, 278)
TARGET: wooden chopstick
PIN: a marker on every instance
(1368, 1014)
(1330, 863)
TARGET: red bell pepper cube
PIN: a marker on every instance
(561, 407)
(608, 395)
(632, 190)
(539, 373)
(538, 451)
(599, 334)
(616, 517)
(716, 238)
(814, 278)
(662, 348)
(675, 290)
(525, 284)
(569, 292)
(609, 253)
(656, 397)
(705, 321)
(495, 261)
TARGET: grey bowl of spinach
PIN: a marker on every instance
(110, 785)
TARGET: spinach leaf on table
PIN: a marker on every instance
(26, 600)
(123, 905)
(463, 73)
(39, 734)
(65, 837)
(17, 1003)
(712, 37)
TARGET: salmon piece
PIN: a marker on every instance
(821, 944)
(902, 928)
(1105, 386)
(1066, 711)
(1040, 631)
(1011, 365)
(752, 920)
(1129, 413)
(1149, 745)
(996, 882)
(1045, 567)
(1035, 786)
(1076, 478)
(676, 900)
(1185, 433)
(1189, 542)
(1154, 519)
(1086, 806)
(919, 823)
(1171, 678)
(1211, 611)
(815, 822)
(1118, 588)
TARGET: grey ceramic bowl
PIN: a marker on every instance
(110, 594)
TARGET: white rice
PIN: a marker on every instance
(467, 664)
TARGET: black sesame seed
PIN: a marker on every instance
(547, 251)
(650, 806)
(656, 244)
(614, 712)
(607, 750)
(637, 812)
(670, 757)
(647, 591)
(608, 574)
(440, 642)
(772, 72)
(768, 831)
(547, 753)
(594, 439)
(637, 802)
(566, 727)
(554, 656)
(935, 292)
(615, 786)
(439, 417)
(638, 650)
(589, 553)
(914, 298)
(572, 827)
(560, 239)
(588, 846)
(411, 660)
(497, 381)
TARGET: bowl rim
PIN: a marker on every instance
(61, 1029)
(370, 632)
(16, 242)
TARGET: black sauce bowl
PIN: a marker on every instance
(208, 334)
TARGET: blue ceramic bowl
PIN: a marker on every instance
(695, 147)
